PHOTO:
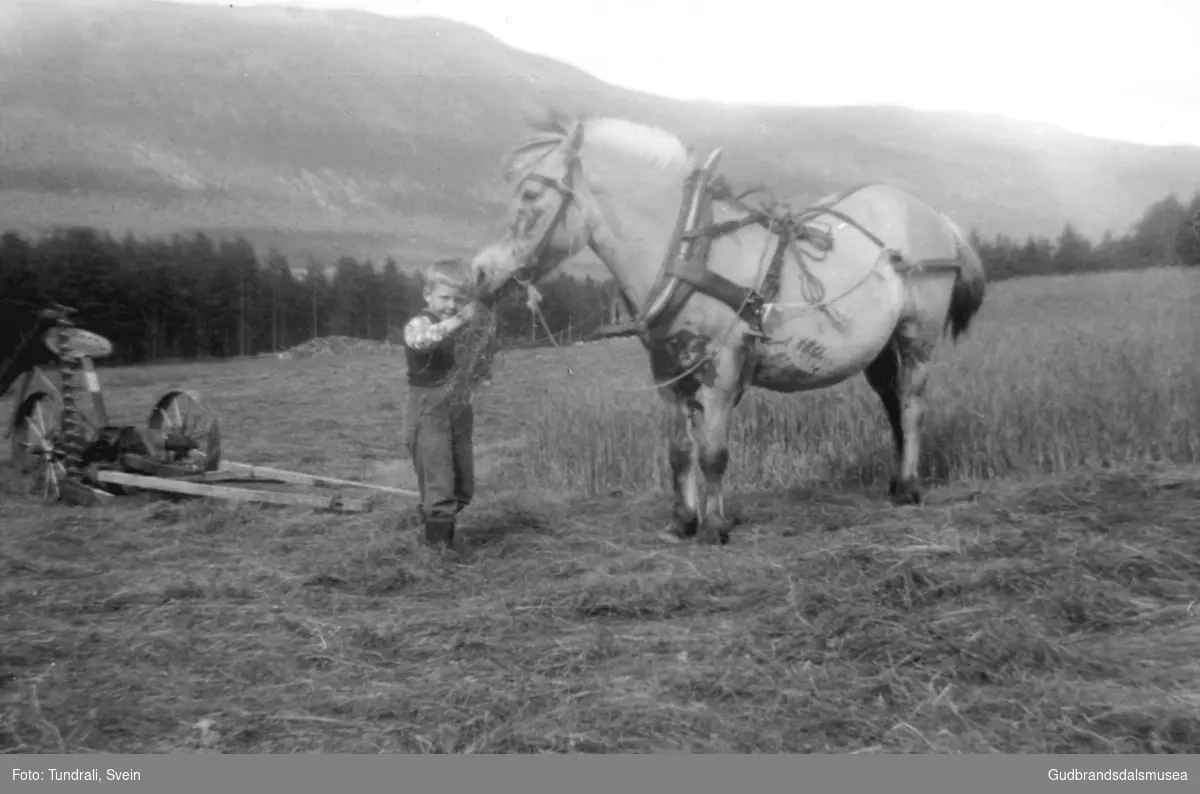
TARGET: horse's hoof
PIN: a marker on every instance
(684, 522)
(669, 535)
(905, 492)
(716, 531)
(719, 537)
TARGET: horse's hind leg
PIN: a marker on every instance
(882, 375)
(899, 375)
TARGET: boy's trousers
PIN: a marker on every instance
(438, 433)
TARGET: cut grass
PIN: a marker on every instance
(1051, 619)
(1049, 610)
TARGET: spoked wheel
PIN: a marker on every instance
(37, 450)
(181, 431)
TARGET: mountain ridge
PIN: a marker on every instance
(328, 133)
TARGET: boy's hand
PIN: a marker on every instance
(469, 312)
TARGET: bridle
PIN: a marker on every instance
(529, 262)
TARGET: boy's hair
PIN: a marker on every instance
(453, 272)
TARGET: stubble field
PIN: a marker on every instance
(1045, 599)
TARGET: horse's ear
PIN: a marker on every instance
(513, 163)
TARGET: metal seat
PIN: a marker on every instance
(81, 342)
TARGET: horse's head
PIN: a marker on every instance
(551, 214)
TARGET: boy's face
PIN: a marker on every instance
(444, 300)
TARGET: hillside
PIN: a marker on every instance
(329, 133)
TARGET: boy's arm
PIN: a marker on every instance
(421, 333)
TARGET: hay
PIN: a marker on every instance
(343, 346)
(475, 349)
(1053, 617)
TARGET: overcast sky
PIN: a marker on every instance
(1128, 70)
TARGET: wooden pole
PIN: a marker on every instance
(335, 502)
(298, 478)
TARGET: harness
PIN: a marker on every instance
(685, 271)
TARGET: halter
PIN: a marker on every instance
(528, 263)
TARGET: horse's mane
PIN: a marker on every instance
(653, 146)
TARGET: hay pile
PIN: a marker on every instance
(344, 346)
(475, 351)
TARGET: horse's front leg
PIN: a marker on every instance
(718, 397)
(681, 454)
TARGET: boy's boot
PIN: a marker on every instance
(439, 532)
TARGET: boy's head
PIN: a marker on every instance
(446, 283)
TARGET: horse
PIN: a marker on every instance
(727, 295)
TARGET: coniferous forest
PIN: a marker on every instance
(193, 297)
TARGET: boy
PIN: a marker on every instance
(439, 425)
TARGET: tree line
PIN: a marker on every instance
(1167, 233)
(193, 297)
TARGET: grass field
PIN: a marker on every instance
(1045, 599)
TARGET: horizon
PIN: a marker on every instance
(1149, 96)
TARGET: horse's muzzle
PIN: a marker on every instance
(494, 270)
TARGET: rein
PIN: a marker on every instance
(533, 303)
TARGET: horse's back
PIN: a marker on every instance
(901, 221)
(933, 247)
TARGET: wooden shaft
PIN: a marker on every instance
(335, 502)
(307, 479)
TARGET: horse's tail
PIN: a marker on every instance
(970, 285)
